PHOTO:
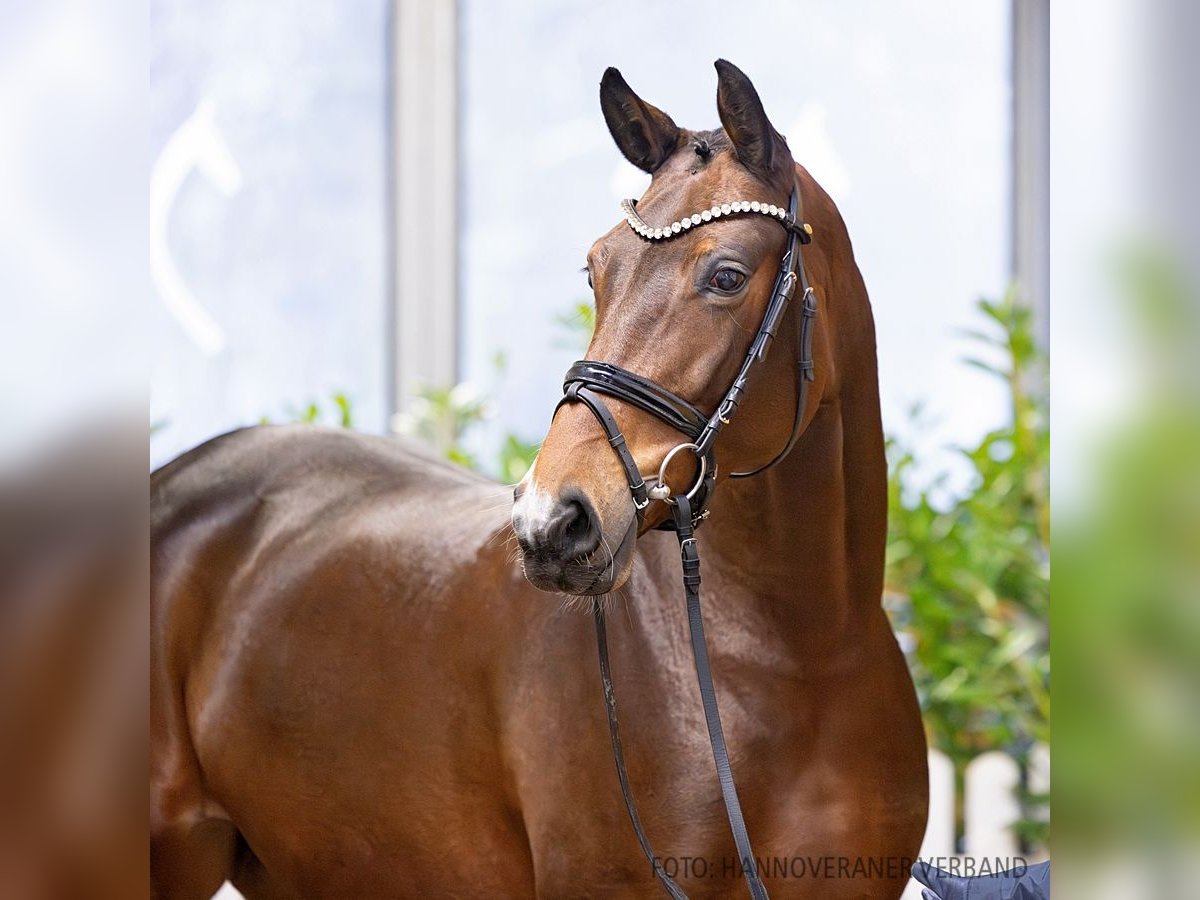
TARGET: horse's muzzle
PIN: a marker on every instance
(562, 544)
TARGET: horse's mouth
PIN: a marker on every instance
(598, 573)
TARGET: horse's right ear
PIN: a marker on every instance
(755, 140)
(644, 134)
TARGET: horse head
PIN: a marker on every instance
(681, 288)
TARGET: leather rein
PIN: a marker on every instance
(588, 381)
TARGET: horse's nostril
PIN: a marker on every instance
(580, 534)
(558, 532)
(578, 524)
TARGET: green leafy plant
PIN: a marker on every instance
(442, 416)
(968, 578)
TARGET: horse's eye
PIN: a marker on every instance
(727, 280)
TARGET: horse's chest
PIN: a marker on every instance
(580, 833)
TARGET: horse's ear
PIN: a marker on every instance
(644, 134)
(755, 141)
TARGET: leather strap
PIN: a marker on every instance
(637, 485)
(808, 310)
(614, 732)
(585, 378)
(643, 393)
(690, 558)
(690, 561)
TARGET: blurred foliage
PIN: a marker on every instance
(968, 578)
(578, 324)
(444, 417)
(441, 417)
(1128, 585)
(313, 413)
(516, 456)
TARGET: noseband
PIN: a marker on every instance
(588, 381)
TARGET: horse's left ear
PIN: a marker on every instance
(757, 144)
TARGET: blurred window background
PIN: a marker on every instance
(269, 213)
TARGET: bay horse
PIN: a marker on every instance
(355, 693)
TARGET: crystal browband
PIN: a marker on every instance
(778, 213)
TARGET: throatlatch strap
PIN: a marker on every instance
(807, 312)
(614, 732)
(690, 558)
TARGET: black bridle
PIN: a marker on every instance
(586, 381)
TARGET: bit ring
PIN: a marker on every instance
(662, 491)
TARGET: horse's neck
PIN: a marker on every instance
(803, 543)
